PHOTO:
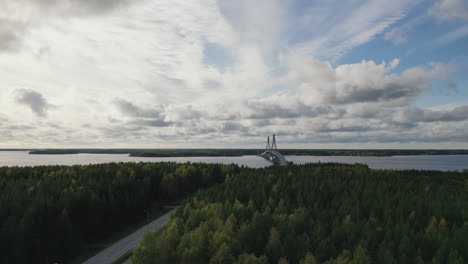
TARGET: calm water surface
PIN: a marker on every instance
(424, 162)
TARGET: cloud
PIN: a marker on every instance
(183, 113)
(454, 35)
(10, 35)
(399, 34)
(34, 100)
(129, 109)
(64, 7)
(353, 27)
(450, 10)
(413, 115)
(19, 17)
(260, 22)
(233, 127)
(320, 83)
(396, 35)
(219, 72)
(142, 116)
(286, 108)
(451, 88)
(152, 122)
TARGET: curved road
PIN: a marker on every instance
(127, 244)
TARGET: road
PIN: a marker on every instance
(127, 244)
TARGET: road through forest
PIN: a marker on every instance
(127, 244)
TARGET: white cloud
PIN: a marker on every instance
(260, 22)
(355, 27)
(450, 10)
(321, 83)
(454, 35)
(396, 35)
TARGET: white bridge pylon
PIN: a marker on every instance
(272, 154)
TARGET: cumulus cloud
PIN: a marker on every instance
(320, 83)
(34, 100)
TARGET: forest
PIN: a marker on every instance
(319, 213)
(51, 214)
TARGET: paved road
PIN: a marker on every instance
(127, 244)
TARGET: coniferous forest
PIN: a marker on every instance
(51, 213)
(323, 213)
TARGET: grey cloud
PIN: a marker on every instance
(152, 122)
(142, 116)
(203, 131)
(366, 111)
(129, 109)
(368, 94)
(76, 7)
(11, 33)
(183, 113)
(418, 135)
(267, 110)
(211, 84)
(20, 127)
(34, 100)
(229, 127)
(459, 113)
(343, 128)
(222, 114)
(452, 88)
(264, 111)
(262, 122)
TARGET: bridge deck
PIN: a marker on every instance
(275, 157)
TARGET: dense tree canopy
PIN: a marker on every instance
(324, 213)
(49, 213)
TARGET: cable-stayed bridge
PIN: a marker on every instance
(272, 154)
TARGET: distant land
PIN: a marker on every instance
(242, 152)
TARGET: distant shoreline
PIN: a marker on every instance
(243, 152)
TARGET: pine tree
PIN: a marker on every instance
(273, 247)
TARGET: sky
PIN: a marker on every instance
(227, 74)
